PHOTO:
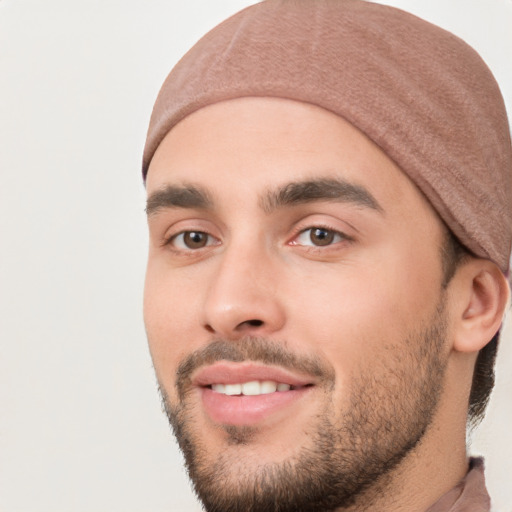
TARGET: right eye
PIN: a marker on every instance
(192, 240)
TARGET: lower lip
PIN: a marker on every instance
(247, 410)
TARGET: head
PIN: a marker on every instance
(313, 321)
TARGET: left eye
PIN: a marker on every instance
(319, 237)
(192, 240)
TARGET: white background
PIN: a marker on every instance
(81, 427)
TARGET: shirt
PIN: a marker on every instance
(469, 495)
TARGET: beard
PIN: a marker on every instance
(351, 450)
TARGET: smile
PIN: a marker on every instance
(251, 388)
(248, 393)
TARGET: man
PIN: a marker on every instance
(329, 206)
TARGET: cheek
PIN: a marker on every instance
(170, 318)
(355, 313)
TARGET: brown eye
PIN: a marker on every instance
(321, 236)
(190, 240)
(195, 239)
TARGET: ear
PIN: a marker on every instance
(480, 298)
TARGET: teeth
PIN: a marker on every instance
(233, 389)
(267, 386)
(251, 388)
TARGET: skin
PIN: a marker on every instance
(353, 305)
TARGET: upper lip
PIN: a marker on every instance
(234, 373)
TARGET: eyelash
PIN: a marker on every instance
(337, 237)
(333, 232)
(170, 240)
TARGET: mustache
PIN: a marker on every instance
(254, 349)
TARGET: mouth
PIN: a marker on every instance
(246, 394)
(253, 388)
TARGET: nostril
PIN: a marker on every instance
(254, 323)
(240, 327)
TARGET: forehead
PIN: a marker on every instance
(236, 150)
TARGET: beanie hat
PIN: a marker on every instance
(421, 94)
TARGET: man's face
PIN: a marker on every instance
(293, 305)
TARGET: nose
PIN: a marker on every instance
(241, 299)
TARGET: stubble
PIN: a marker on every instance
(349, 454)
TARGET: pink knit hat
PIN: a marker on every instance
(421, 94)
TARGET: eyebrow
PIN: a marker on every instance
(323, 189)
(291, 194)
(182, 196)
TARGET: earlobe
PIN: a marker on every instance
(484, 293)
